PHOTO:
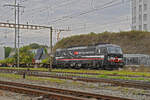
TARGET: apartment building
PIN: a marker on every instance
(141, 15)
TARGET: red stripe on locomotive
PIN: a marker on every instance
(82, 59)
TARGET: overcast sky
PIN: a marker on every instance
(81, 16)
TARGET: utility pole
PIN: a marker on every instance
(59, 31)
(15, 34)
(16, 28)
(51, 46)
(18, 58)
(51, 49)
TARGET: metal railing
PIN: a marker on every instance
(137, 59)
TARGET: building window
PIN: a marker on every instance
(145, 7)
(145, 17)
(140, 8)
(134, 19)
(140, 27)
(140, 17)
(145, 27)
(134, 28)
(134, 11)
(145, 1)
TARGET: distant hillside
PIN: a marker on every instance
(131, 42)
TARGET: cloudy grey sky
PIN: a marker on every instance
(81, 16)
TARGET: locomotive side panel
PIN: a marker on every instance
(81, 57)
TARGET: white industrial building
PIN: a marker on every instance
(141, 15)
(2, 53)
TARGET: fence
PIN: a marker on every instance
(137, 59)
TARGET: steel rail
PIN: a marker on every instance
(45, 94)
(115, 82)
(56, 91)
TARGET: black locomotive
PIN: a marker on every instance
(99, 56)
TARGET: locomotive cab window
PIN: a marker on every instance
(64, 53)
(116, 50)
(103, 50)
(57, 54)
(98, 51)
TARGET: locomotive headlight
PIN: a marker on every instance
(110, 58)
(120, 58)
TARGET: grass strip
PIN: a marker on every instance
(101, 72)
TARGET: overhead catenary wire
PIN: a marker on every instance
(108, 6)
(7, 15)
(38, 9)
(115, 4)
(127, 19)
(84, 12)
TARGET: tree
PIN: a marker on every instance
(7, 60)
(45, 60)
(25, 55)
(34, 46)
(7, 51)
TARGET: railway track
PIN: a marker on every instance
(115, 82)
(99, 74)
(54, 93)
(34, 71)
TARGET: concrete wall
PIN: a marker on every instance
(2, 53)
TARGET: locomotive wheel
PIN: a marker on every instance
(57, 66)
(107, 67)
(95, 66)
(83, 66)
(98, 66)
(103, 67)
(77, 67)
(65, 66)
(116, 67)
(89, 66)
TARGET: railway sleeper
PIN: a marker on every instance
(44, 94)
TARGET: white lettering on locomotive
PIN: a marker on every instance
(90, 52)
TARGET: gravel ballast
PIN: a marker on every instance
(99, 88)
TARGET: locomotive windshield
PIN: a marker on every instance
(116, 50)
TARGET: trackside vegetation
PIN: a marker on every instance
(26, 54)
(99, 72)
(15, 76)
(32, 78)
